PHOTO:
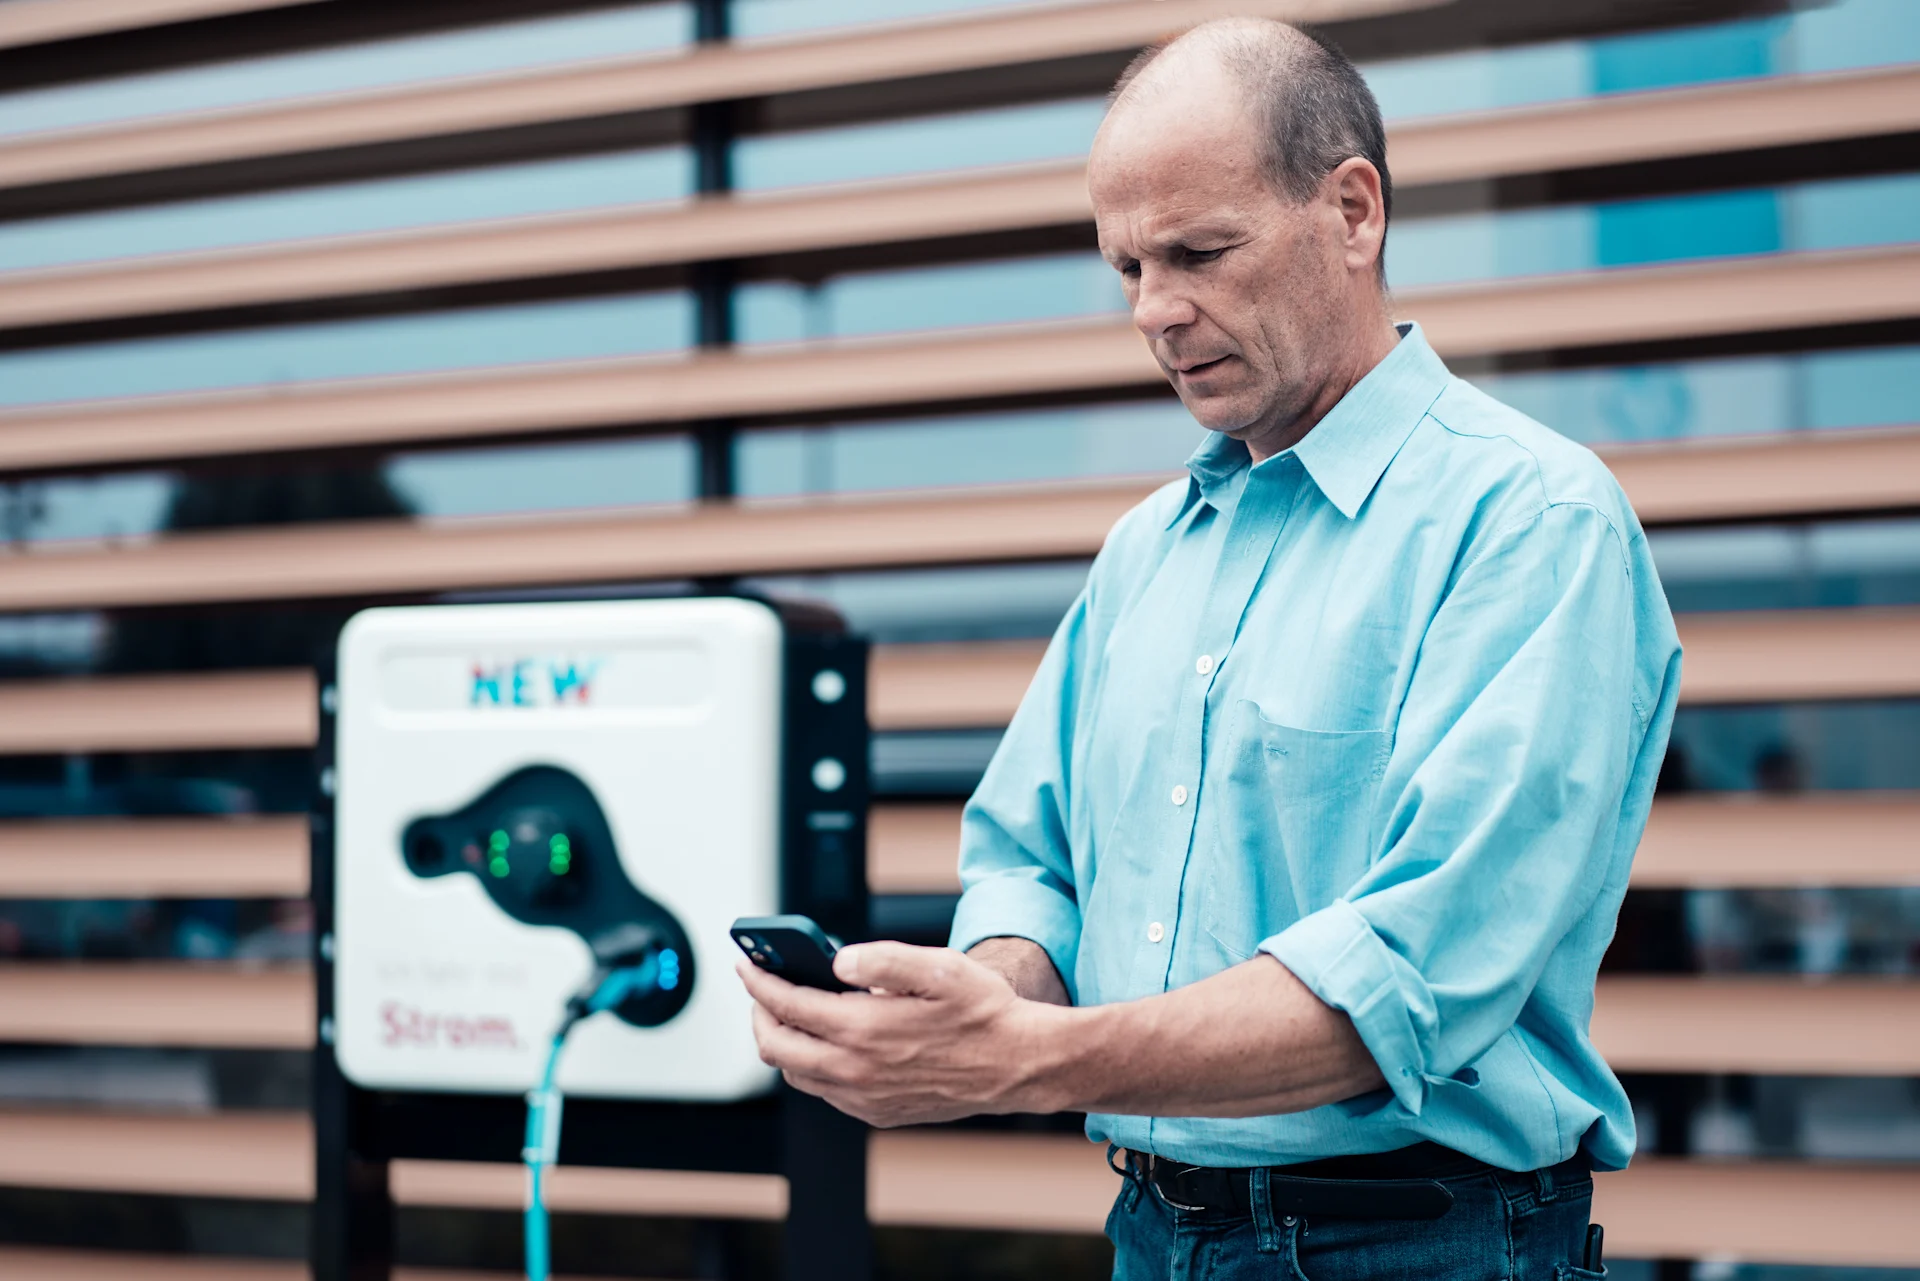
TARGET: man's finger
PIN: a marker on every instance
(811, 1010)
(901, 969)
(790, 1049)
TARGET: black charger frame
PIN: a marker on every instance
(821, 1152)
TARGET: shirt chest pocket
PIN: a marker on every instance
(1293, 813)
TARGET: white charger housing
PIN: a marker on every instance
(670, 712)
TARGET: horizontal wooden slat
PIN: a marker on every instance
(585, 1190)
(1562, 136)
(382, 557)
(1863, 839)
(28, 22)
(1762, 1211)
(1843, 1027)
(1848, 839)
(913, 849)
(1626, 128)
(1785, 1212)
(28, 1263)
(1778, 656)
(1794, 655)
(128, 1003)
(1651, 1024)
(1821, 838)
(25, 1263)
(1788, 655)
(1653, 304)
(265, 1156)
(962, 686)
(174, 712)
(598, 240)
(155, 858)
(627, 85)
(1638, 304)
(1793, 474)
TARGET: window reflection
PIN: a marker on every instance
(1794, 747)
(1819, 565)
(578, 328)
(1144, 438)
(507, 46)
(1846, 35)
(386, 204)
(482, 481)
(1845, 214)
(1047, 287)
(1738, 395)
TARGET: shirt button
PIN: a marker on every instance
(1156, 932)
(1180, 794)
(1204, 665)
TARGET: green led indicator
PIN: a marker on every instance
(499, 842)
(498, 865)
(561, 851)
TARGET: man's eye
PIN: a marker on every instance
(1203, 255)
(1128, 268)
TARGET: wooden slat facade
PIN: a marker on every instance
(1058, 1183)
(1854, 1027)
(1735, 657)
(1624, 305)
(885, 531)
(1715, 841)
(128, 858)
(1617, 129)
(1800, 1212)
(630, 86)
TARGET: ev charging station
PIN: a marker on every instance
(514, 801)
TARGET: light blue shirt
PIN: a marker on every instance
(1388, 707)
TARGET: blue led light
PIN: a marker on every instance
(669, 969)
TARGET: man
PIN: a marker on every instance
(1295, 867)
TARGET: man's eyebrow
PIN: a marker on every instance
(1190, 234)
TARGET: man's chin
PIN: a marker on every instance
(1226, 414)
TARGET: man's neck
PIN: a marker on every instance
(1360, 359)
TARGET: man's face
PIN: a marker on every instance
(1234, 286)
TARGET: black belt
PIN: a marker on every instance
(1403, 1184)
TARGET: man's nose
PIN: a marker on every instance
(1160, 306)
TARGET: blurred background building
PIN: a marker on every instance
(306, 304)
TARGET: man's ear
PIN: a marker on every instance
(1354, 189)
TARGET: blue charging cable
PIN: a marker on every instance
(604, 991)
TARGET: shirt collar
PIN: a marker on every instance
(1347, 451)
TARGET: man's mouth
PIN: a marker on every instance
(1200, 366)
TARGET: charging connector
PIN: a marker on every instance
(630, 964)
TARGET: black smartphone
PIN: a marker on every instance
(794, 947)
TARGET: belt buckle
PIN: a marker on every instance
(1153, 1170)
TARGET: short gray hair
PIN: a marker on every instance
(1314, 104)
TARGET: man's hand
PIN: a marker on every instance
(940, 1035)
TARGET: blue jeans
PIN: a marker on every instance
(1502, 1227)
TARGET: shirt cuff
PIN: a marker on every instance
(1336, 953)
(1013, 906)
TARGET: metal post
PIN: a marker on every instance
(713, 282)
(351, 1232)
(828, 1237)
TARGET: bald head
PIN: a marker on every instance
(1309, 108)
(1239, 188)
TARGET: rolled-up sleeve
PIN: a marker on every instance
(1499, 810)
(1016, 864)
